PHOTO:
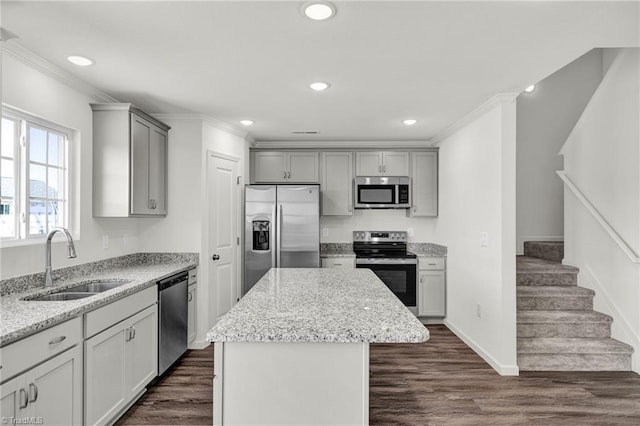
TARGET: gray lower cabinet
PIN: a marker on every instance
(129, 162)
(431, 287)
(121, 359)
(49, 384)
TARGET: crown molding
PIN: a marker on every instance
(498, 99)
(341, 144)
(213, 122)
(38, 63)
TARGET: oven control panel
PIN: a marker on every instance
(379, 236)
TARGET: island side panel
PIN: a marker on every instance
(291, 383)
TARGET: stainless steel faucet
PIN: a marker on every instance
(71, 253)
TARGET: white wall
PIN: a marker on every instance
(340, 228)
(477, 194)
(38, 93)
(186, 227)
(602, 159)
(545, 118)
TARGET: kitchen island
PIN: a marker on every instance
(295, 349)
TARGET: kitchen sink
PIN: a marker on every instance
(97, 286)
(60, 297)
(80, 291)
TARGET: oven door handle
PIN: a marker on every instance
(386, 261)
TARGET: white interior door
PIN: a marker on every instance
(223, 234)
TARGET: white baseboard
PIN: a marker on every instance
(522, 239)
(503, 370)
(427, 321)
(199, 344)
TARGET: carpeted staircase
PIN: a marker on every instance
(558, 330)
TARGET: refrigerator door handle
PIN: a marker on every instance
(279, 236)
(274, 238)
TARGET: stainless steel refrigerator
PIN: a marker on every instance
(282, 229)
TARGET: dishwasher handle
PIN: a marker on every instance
(172, 280)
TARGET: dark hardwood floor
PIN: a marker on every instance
(440, 382)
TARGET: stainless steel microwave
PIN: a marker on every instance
(382, 192)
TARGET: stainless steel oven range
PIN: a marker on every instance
(385, 253)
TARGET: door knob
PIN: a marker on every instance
(215, 257)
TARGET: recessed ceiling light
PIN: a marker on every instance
(410, 122)
(319, 86)
(318, 10)
(530, 89)
(80, 61)
(246, 122)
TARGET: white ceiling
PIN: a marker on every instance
(386, 61)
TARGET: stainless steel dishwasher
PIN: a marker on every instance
(172, 302)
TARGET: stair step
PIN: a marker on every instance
(547, 298)
(569, 324)
(573, 354)
(531, 271)
(549, 250)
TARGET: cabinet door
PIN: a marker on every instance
(269, 167)
(14, 398)
(55, 389)
(395, 163)
(303, 167)
(141, 131)
(337, 183)
(432, 294)
(191, 314)
(158, 171)
(142, 350)
(424, 183)
(105, 375)
(368, 163)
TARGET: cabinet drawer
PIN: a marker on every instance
(338, 262)
(432, 263)
(32, 350)
(193, 276)
(113, 313)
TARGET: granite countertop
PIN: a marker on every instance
(21, 318)
(319, 305)
(336, 250)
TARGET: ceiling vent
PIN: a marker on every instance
(305, 132)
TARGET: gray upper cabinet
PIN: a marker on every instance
(388, 163)
(129, 162)
(337, 183)
(424, 178)
(285, 167)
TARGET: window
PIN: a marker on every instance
(34, 177)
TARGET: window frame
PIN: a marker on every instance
(22, 162)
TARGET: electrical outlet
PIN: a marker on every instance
(325, 232)
(105, 241)
(478, 311)
(484, 239)
(410, 232)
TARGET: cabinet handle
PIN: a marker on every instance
(57, 340)
(288, 175)
(150, 204)
(127, 333)
(420, 280)
(33, 397)
(379, 168)
(190, 298)
(133, 329)
(284, 175)
(24, 399)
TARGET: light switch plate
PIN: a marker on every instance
(105, 241)
(325, 232)
(484, 239)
